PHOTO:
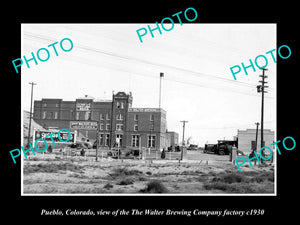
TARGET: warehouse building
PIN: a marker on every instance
(246, 139)
(117, 122)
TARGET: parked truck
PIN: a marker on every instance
(223, 147)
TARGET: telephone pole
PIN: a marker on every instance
(161, 75)
(183, 128)
(257, 124)
(30, 114)
(261, 88)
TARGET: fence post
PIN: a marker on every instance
(233, 154)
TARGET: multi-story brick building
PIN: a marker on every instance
(117, 121)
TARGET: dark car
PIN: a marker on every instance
(78, 146)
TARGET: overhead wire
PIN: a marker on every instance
(198, 74)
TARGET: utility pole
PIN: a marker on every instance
(30, 114)
(257, 124)
(97, 140)
(261, 88)
(183, 129)
(160, 77)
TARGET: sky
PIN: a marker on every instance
(195, 58)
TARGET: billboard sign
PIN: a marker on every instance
(87, 125)
(63, 136)
(83, 106)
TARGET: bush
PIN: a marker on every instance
(121, 172)
(155, 186)
(125, 181)
(108, 186)
(51, 168)
(267, 176)
(243, 182)
(230, 178)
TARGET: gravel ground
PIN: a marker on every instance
(199, 173)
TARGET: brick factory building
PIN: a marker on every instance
(117, 121)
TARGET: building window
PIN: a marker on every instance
(87, 115)
(51, 115)
(56, 115)
(101, 139)
(119, 139)
(119, 127)
(77, 115)
(107, 116)
(101, 116)
(44, 115)
(151, 117)
(136, 117)
(122, 105)
(101, 126)
(119, 116)
(135, 141)
(107, 126)
(135, 127)
(151, 141)
(56, 105)
(151, 126)
(107, 139)
(45, 105)
(118, 105)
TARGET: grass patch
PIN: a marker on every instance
(124, 172)
(78, 175)
(51, 168)
(155, 186)
(126, 181)
(243, 182)
(108, 186)
(231, 178)
(84, 190)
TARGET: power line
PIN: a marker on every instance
(198, 74)
(195, 73)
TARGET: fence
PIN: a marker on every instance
(144, 153)
(156, 155)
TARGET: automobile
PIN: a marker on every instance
(79, 145)
(209, 148)
(192, 147)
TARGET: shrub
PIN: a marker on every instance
(230, 178)
(108, 186)
(51, 168)
(121, 172)
(155, 186)
(125, 181)
(266, 176)
(244, 182)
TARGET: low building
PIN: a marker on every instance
(117, 122)
(246, 140)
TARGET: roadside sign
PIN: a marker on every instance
(63, 136)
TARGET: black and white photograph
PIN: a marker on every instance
(164, 116)
(175, 112)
